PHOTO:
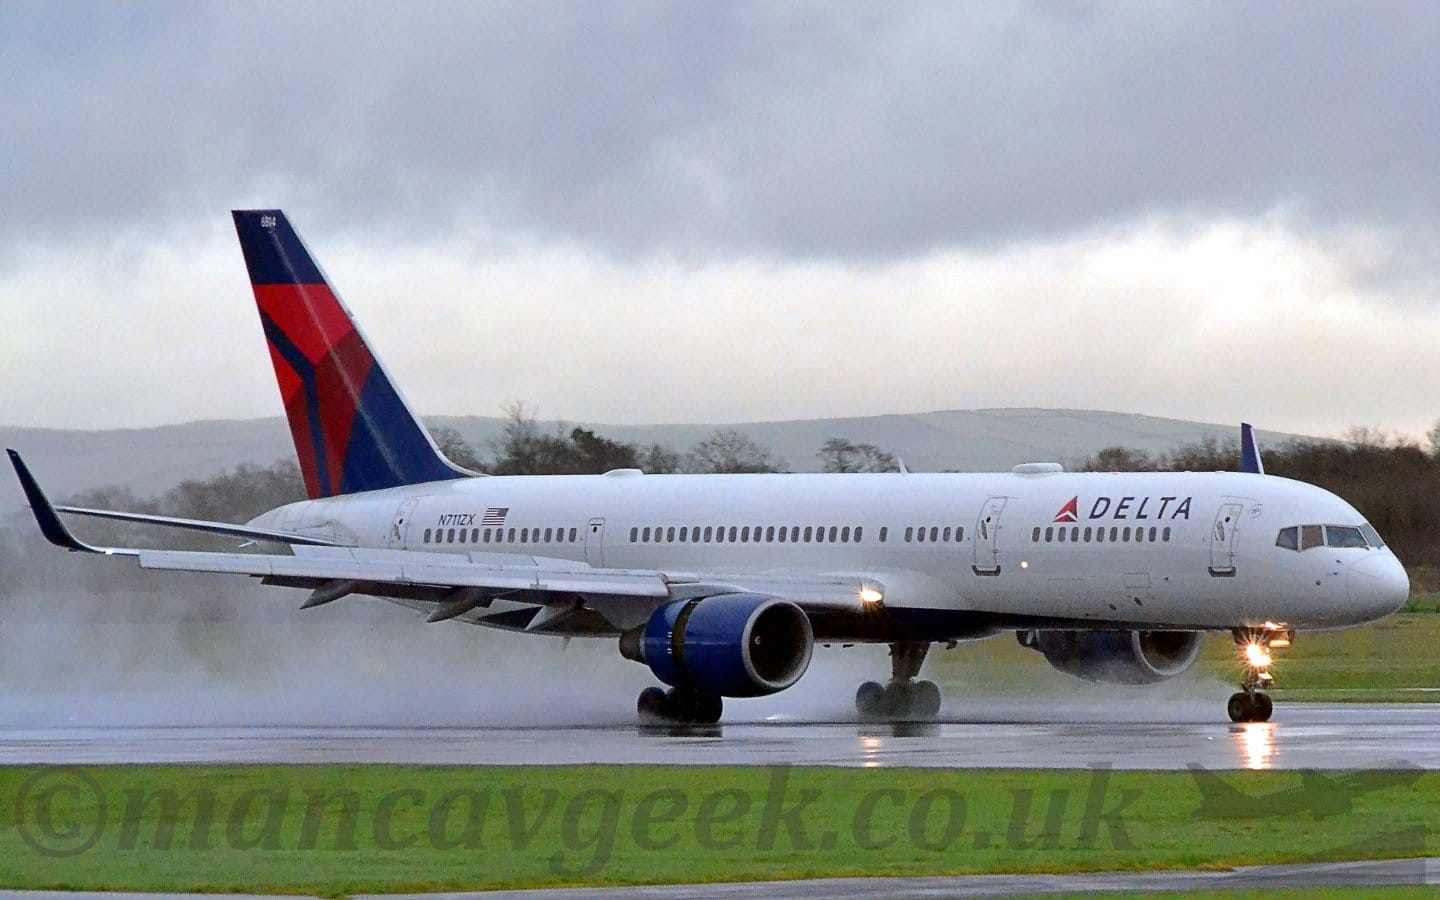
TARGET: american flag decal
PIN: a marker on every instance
(494, 515)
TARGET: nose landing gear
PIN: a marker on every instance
(1251, 703)
(903, 699)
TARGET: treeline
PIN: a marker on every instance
(1392, 481)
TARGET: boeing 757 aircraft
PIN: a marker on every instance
(722, 584)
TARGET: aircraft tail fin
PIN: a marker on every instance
(353, 431)
(1250, 451)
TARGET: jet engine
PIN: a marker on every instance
(734, 645)
(1117, 657)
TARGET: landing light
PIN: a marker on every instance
(870, 595)
(1256, 655)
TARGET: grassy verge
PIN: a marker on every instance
(337, 830)
(1394, 661)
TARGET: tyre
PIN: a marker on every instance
(1264, 706)
(651, 706)
(709, 708)
(900, 700)
(1240, 708)
(870, 701)
(926, 701)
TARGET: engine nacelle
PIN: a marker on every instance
(1117, 657)
(735, 645)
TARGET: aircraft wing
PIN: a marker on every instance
(47, 516)
(622, 598)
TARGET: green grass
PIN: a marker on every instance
(643, 824)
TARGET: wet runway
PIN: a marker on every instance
(1303, 736)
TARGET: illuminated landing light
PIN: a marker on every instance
(870, 596)
(1024, 564)
(1256, 655)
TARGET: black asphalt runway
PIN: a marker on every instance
(1302, 736)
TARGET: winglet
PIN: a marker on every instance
(45, 516)
(1249, 451)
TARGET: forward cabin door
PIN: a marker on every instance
(595, 543)
(987, 537)
(400, 527)
(1222, 538)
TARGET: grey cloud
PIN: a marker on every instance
(717, 129)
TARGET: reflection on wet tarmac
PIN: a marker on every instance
(1256, 742)
(1304, 736)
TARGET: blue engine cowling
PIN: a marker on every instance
(1117, 657)
(735, 645)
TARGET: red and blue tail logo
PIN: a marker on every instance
(352, 430)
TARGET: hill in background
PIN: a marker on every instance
(150, 460)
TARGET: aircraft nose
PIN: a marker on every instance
(1378, 585)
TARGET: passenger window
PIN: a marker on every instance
(549, 534)
(707, 534)
(1034, 535)
(684, 533)
(1344, 536)
(859, 529)
(1100, 535)
(784, 533)
(512, 535)
(909, 534)
(1089, 532)
(884, 533)
(1114, 533)
(572, 535)
(1049, 534)
(1311, 536)
(1075, 534)
(1125, 535)
(770, 534)
(959, 533)
(670, 535)
(934, 533)
(845, 535)
(745, 535)
(487, 535)
(808, 531)
(451, 537)
(920, 536)
(427, 535)
(733, 529)
(463, 535)
(720, 534)
(474, 535)
(1063, 533)
(834, 533)
(1165, 535)
(524, 535)
(1152, 534)
(794, 534)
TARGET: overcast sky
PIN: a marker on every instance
(629, 212)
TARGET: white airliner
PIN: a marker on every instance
(721, 584)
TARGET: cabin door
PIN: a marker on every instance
(1222, 539)
(987, 537)
(400, 527)
(595, 543)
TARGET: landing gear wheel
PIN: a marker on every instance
(899, 699)
(1263, 707)
(679, 706)
(927, 699)
(708, 708)
(870, 701)
(1240, 707)
(652, 706)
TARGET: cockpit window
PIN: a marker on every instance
(1344, 536)
(1372, 536)
(1289, 538)
(1311, 536)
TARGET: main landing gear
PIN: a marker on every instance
(679, 706)
(903, 699)
(1251, 703)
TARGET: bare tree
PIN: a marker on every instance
(731, 451)
(842, 455)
